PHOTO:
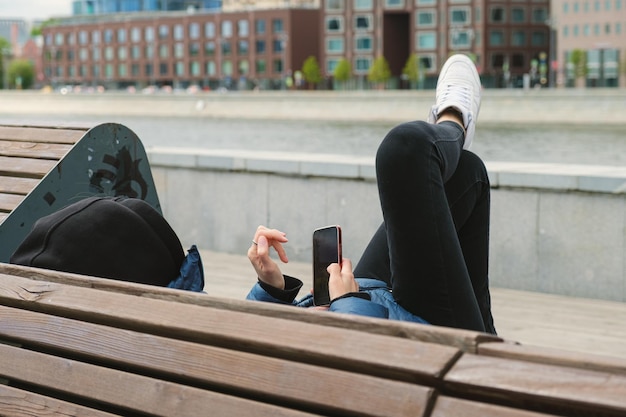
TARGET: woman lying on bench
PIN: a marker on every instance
(428, 261)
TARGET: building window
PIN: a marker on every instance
(496, 38)
(209, 48)
(121, 70)
(260, 47)
(135, 35)
(194, 49)
(242, 28)
(426, 18)
(211, 68)
(539, 39)
(540, 15)
(227, 68)
(362, 65)
(244, 67)
(135, 52)
(460, 39)
(363, 4)
(58, 39)
(518, 15)
(277, 26)
(194, 30)
(149, 52)
(242, 47)
(334, 5)
(277, 66)
(497, 60)
(83, 37)
(460, 16)
(260, 66)
(194, 68)
(334, 24)
(95, 71)
(394, 4)
(277, 45)
(331, 64)
(179, 50)
(134, 70)
(518, 38)
(363, 22)
(334, 45)
(163, 68)
(427, 62)
(226, 48)
(149, 34)
(363, 44)
(179, 68)
(209, 30)
(518, 61)
(426, 40)
(83, 54)
(108, 36)
(497, 15)
(227, 28)
(164, 32)
(163, 51)
(121, 35)
(95, 37)
(108, 71)
(179, 33)
(95, 55)
(259, 27)
(122, 53)
(425, 2)
(149, 70)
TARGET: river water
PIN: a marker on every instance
(555, 143)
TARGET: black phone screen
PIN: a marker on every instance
(326, 250)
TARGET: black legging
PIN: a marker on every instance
(433, 246)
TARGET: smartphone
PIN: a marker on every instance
(326, 250)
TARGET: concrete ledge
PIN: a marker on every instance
(557, 229)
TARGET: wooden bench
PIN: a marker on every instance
(42, 169)
(76, 345)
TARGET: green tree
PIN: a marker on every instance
(379, 73)
(412, 69)
(5, 51)
(578, 58)
(343, 71)
(21, 74)
(311, 71)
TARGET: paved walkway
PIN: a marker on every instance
(548, 320)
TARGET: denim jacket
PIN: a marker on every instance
(374, 299)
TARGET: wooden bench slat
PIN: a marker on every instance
(408, 360)
(326, 389)
(125, 390)
(25, 167)
(464, 340)
(546, 388)
(9, 201)
(41, 134)
(15, 402)
(34, 150)
(551, 356)
(14, 185)
(454, 407)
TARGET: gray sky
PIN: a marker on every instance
(34, 9)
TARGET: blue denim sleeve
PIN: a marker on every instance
(263, 292)
(191, 275)
(359, 306)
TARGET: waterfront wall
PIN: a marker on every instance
(498, 106)
(555, 228)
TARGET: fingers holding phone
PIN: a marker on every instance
(341, 280)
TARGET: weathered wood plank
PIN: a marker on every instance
(408, 360)
(126, 391)
(25, 167)
(34, 150)
(15, 402)
(539, 387)
(15, 185)
(65, 135)
(9, 201)
(461, 339)
(315, 387)
(552, 356)
(454, 407)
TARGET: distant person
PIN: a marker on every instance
(428, 261)
(112, 237)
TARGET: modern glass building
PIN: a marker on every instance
(90, 7)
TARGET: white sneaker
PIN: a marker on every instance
(458, 87)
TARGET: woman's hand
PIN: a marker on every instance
(259, 255)
(341, 279)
